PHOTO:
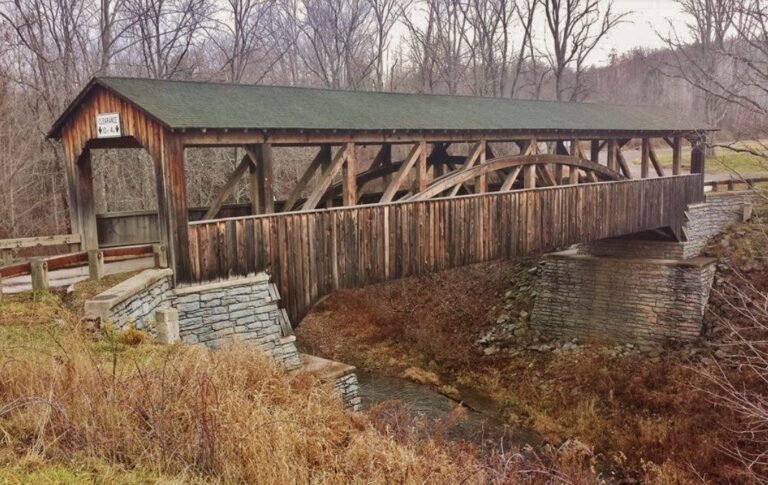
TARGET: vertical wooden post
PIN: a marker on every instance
(421, 168)
(266, 176)
(325, 165)
(699, 153)
(481, 183)
(86, 205)
(560, 149)
(677, 155)
(386, 161)
(160, 256)
(253, 184)
(95, 265)
(172, 212)
(645, 158)
(594, 151)
(573, 172)
(39, 270)
(529, 177)
(612, 148)
(70, 172)
(349, 176)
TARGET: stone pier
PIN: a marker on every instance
(639, 289)
(616, 299)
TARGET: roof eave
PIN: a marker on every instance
(55, 131)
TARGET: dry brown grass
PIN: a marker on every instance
(228, 415)
(430, 321)
(79, 407)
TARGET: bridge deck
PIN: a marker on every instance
(311, 254)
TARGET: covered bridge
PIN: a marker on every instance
(481, 178)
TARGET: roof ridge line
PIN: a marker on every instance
(382, 93)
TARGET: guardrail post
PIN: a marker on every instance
(167, 325)
(747, 214)
(39, 270)
(95, 265)
(6, 257)
(161, 255)
(730, 184)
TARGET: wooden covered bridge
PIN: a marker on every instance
(478, 179)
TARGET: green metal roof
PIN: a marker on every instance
(193, 105)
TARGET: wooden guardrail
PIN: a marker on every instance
(9, 247)
(731, 183)
(39, 268)
(311, 254)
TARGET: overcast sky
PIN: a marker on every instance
(648, 17)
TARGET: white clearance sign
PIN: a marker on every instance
(108, 125)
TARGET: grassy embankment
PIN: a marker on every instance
(643, 414)
(724, 162)
(109, 407)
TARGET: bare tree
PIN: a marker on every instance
(51, 46)
(728, 65)
(421, 44)
(288, 68)
(489, 44)
(574, 29)
(526, 14)
(739, 379)
(439, 48)
(338, 42)
(247, 35)
(164, 32)
(710, 25)
(115, 20)
(386, 14)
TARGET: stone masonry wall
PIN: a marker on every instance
(140, 310)
(620, 299)
(243, 309)
(704, 221)
(713, 217)
(349, 390)
(214, 314)
(134, 301)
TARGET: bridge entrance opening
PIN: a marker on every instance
(124, 196)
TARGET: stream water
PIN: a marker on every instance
(482, 425)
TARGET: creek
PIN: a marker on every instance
(482, 425)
